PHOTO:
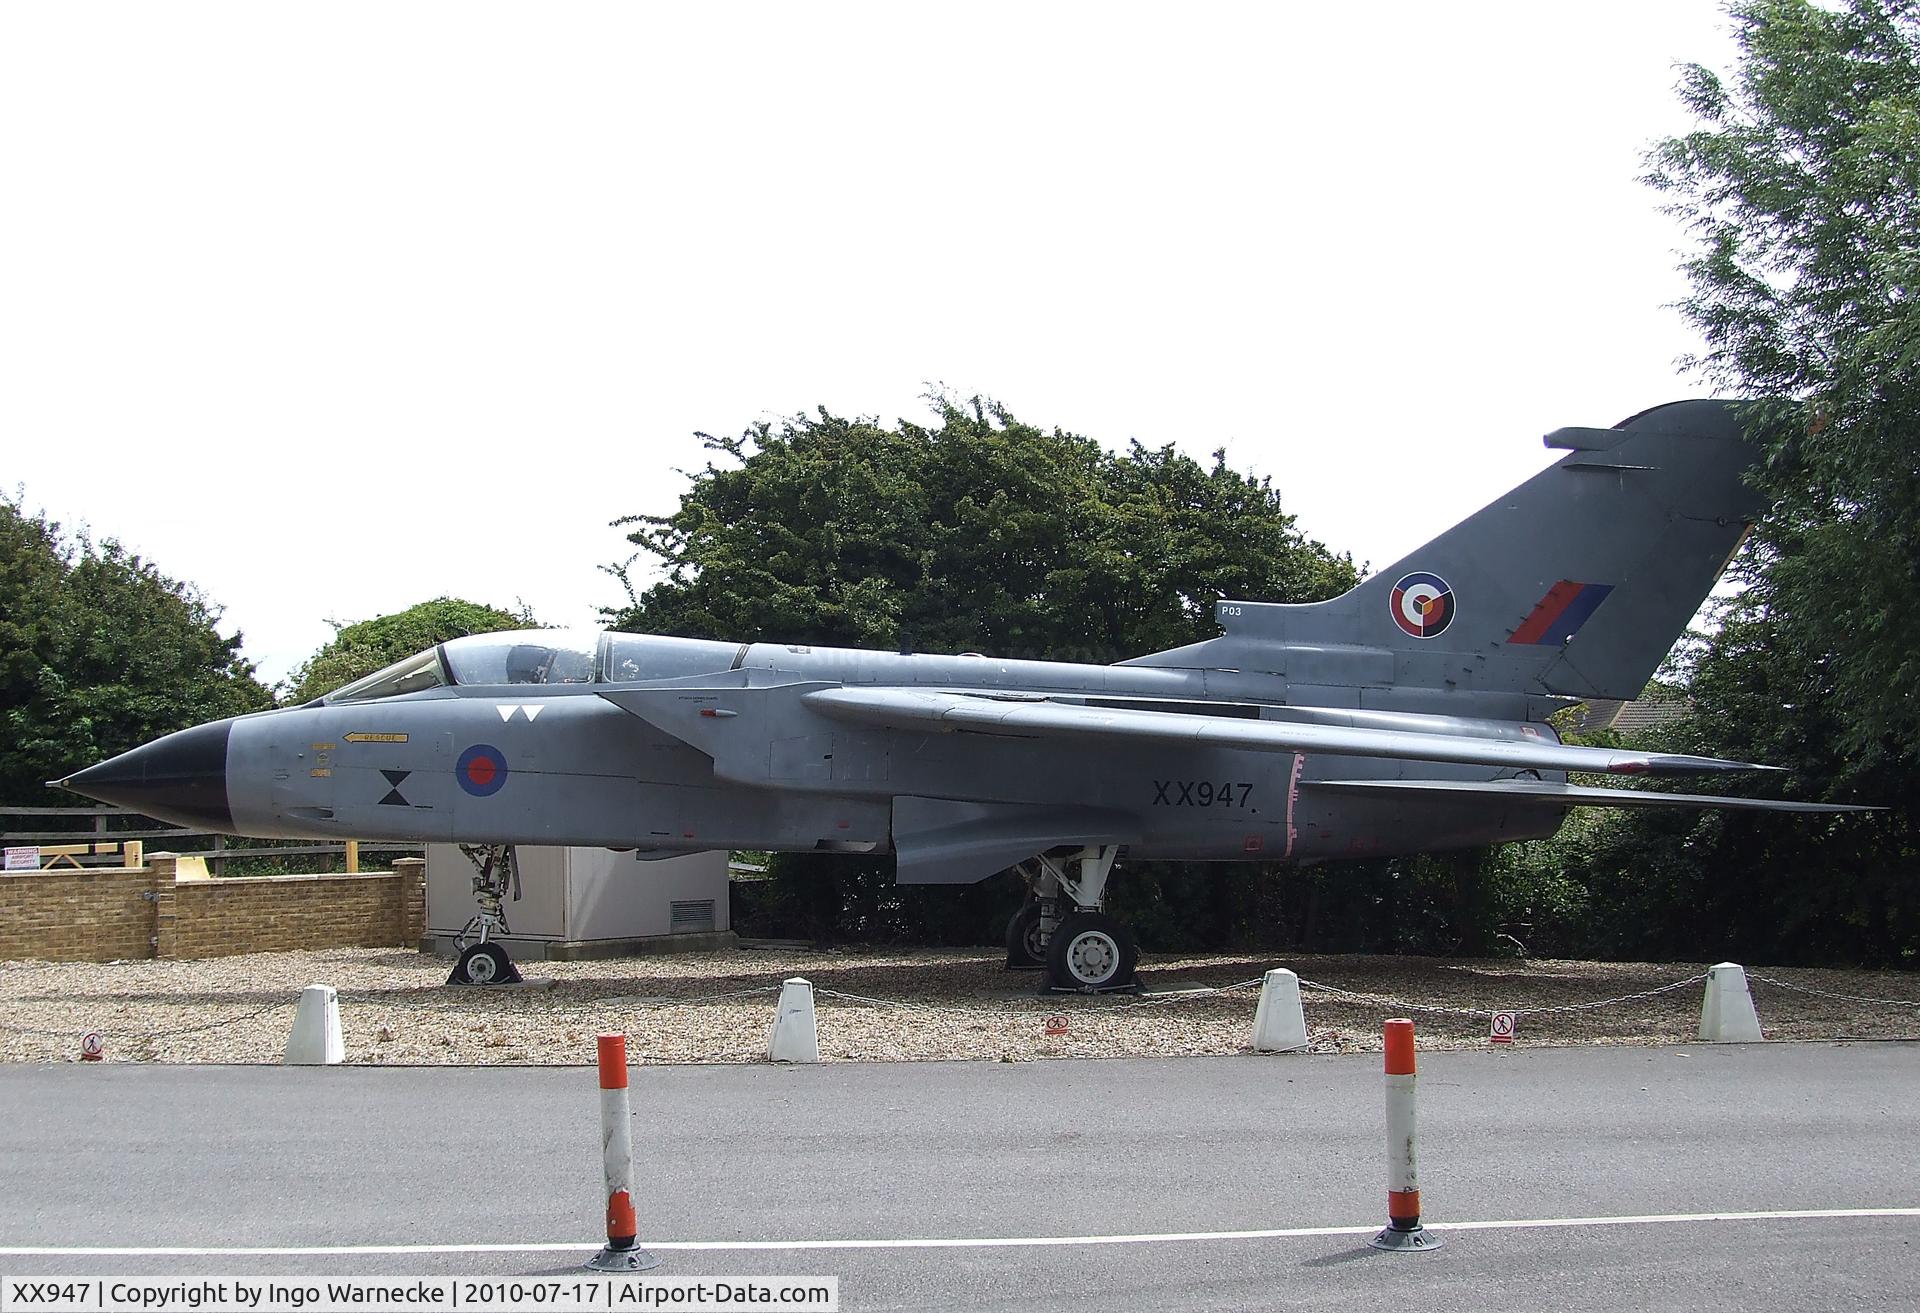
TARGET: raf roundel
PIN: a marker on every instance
(1422, 605)
(481, 770)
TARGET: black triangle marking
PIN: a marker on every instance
(396, 777)
(393, 799)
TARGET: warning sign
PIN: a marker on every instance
(1056, 1025)
(1502, 1030)
(23, 859)
(93, 1046)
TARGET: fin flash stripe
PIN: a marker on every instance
(1557, 617)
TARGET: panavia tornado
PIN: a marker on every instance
(1407, 715)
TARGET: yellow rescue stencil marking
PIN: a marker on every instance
(323, 747)
(321, 773)
(376, 738)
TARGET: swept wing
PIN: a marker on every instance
(931, 711)
(1541, 794)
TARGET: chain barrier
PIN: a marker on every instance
(1041, 1007)
(903, 1005)
(436, 998)
(1317, 987)
(1489, 1013)
(11, 1028)
(151, 1035)
(1037, 1008)
(1187, 995)
(1828, 993)
(225, 1021)
(649, 1002)
(637, 1001)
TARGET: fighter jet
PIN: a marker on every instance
(1407, 715)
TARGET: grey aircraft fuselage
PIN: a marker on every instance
(561, 764)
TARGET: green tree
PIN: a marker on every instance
(978, 533)
(982, 533)
(1801, 186)
(366, 646)
(100, 652)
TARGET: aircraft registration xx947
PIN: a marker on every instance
(1408, 714)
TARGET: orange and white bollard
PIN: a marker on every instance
(1404, 1231)
(622, 1252)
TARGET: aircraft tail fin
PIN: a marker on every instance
(1575, 584)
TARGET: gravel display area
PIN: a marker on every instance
(880, 1004)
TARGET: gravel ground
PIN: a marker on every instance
(395, 1006)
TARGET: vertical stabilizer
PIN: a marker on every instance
(1577, 583)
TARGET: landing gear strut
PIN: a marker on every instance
(482, 961)
(1062, 927)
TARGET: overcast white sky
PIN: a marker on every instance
(333, 309)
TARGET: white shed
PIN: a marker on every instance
(587, 902)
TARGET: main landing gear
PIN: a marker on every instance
(1062, 928)
(482, 961)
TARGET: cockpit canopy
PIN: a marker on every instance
(523, 656)
(515, 656)
(542, 656)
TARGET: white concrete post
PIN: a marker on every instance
(316, 1040)
(1279, 1024)
(795, 1035)
(1726, 1013)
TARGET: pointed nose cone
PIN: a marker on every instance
(181, 778)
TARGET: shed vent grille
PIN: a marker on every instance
(692, 916)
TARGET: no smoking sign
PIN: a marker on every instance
(1502, 1029)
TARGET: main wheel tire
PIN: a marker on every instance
(1026, 951)
(484, 964)
(1091, 952)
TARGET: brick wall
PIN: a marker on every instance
(93, 915)
(99, 915)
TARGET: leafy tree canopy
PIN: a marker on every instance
(1801, 185)
(368, 645)
(99, 652)
(981, 532)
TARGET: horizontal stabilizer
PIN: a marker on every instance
(1538, 793)
(926, 711)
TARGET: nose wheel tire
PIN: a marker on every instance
(1025, 949)
(1092, 952)
(484, 964)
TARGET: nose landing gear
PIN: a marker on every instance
(1083, 949)
(482, 961)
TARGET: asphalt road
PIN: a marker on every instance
(151, 1156)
